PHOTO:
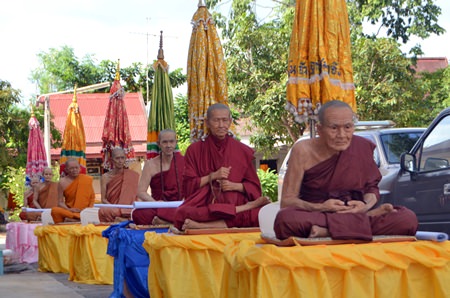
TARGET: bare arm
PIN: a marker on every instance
(104, 182)
(36, 196)
(144, 181)
(220, 174)
(61, 201)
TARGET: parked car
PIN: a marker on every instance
(423, 182)
(390, 142)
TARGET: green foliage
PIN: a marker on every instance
(182, 122)
(14, 182)
(401, 18)
(269, 183)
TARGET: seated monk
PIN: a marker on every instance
(28, 196)
(164, 174)
(75, 193)
(221, 187)
(118, 186)
(331, 186)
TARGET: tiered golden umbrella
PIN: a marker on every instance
(206, 71)
(320, 63)
(116, 128)
(74, 139)
(161, 115)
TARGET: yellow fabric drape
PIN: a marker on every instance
(54, 243)
(188, 266)
(402, 269)
(206, 71)
(77, 250)
(320, 60)
(89, 263)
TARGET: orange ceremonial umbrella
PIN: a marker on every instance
(116, 128)
(74, 139)
(206, 71)
(161, 115)
(320, 63)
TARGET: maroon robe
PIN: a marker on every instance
(345, 176)
(203, 204)
(173, 191)
(121, 189)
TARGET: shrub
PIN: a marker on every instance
(269, 183)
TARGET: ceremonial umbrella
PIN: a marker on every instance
(161, 115)
(206, 71)
(320, 64)
(116, 128)
(74, 140)
(36, 156)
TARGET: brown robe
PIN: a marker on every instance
(79, 194)
(121, 189)
(346, 176)
(209, 203)
(173, 191)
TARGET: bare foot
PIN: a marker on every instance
(317, 232)
(261, 201)
(158, 221)
(67, 219)
(192, 224)
(382, 209)
(120, 219)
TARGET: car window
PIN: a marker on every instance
(435, 150)
(394, 144)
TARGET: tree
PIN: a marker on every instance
(60, 70)
(9, 97)
(386, 85)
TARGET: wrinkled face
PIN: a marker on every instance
(167, 142)
(72, 169)
(34, 181)
(337, 131)
(48, 174)
(219, 123)
(118, 159)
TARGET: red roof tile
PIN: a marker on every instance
(431, 64)
(93, 109)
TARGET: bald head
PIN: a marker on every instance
(332, 104)
(217, 107)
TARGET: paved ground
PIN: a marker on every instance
(24, 280)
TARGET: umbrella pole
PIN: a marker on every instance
(312, 128)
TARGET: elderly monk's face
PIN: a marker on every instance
(337, 131)
(48, 174)
(167, 142)
(219, 123)
(72, 169)
(118, 159)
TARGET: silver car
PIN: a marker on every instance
(390, 142)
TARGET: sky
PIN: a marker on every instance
(112, 29)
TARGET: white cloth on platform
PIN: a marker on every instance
(46, 217)
(89, 216)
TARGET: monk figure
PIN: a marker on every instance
(28, 200)
(164, 174)
(331, 186)
(75, 193)
(46, 193)
(221, 187)
(118, 186)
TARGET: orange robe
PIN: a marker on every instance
(48, 198)
(79, 194)
(121, 189)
